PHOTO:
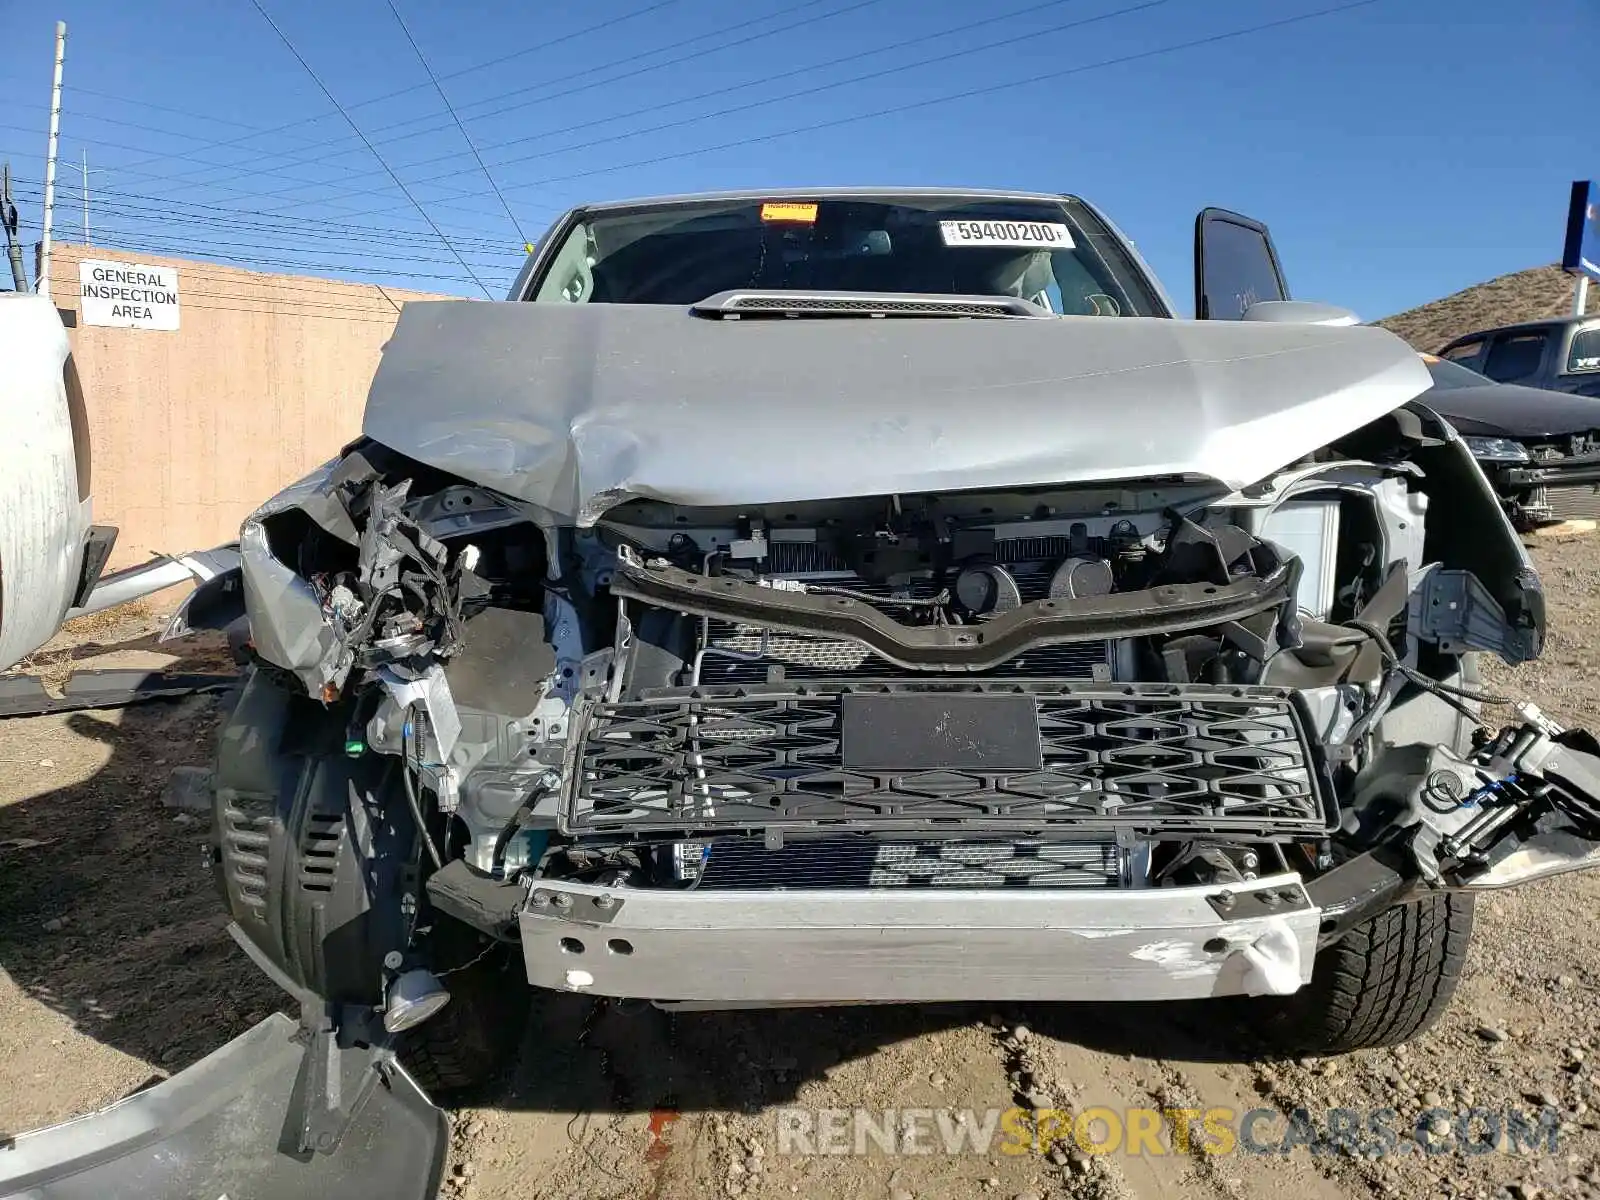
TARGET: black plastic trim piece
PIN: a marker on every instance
(1164, 609)
(1360, 888)
(25, 696)
(97, 546)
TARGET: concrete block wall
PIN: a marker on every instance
(192, 429)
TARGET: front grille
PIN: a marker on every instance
(863, 862)
(1574, 501)
(796, 656)
(1171, 758)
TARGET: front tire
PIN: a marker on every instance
(472, 1039)
(1382, 983)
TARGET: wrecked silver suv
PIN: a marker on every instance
(880, 596)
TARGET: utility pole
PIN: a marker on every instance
(8, 221)
(85, 169)
(50, 161)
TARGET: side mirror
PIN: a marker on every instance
(1299, 312)
(1235, 266)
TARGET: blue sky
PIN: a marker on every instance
(1399, 150)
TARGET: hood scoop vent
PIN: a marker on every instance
(731, 305)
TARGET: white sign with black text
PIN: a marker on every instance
(128, 295)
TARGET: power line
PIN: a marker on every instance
(290, 160)
(446, 201)
(209, 241)
(741, 87)
(465, 136)
(961, 52)
(950, 98)
(143, 128)
(757, 139)
(371, 149)
(253, 263)
(598, 27)
(173, 213)
(166, 206)
(181, 112)
(384, 310)
(590, 83)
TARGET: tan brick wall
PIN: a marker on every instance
(265, 378)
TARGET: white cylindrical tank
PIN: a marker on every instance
(44, 487)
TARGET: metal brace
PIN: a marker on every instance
(1236, 904)
(318, 1113)
(599, 909)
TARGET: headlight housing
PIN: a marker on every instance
(1496, 450)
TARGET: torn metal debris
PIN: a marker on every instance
(25, 695)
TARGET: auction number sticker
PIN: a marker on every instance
(1040, 235)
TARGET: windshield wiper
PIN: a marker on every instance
(737, 303)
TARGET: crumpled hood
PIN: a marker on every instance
(1509, 410)
(576, 408)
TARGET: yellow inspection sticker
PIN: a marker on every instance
(806, 214)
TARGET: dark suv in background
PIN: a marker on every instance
(1562, 353)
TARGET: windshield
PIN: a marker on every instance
(1447, 375)
(1054, 253)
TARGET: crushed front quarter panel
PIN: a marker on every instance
(575, 408)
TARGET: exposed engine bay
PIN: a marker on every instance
(793, 645)
(1155, 680)
(1125, 688)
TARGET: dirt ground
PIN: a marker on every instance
(115, 969)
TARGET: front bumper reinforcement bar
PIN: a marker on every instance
(816, 947)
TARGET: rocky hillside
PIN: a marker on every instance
(1520, 296)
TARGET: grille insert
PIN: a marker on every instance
(1186, 758)
(864, 862)
(1574, 501)
(802, 657)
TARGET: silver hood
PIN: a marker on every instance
(576, 408)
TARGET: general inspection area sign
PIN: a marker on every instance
(128, 295)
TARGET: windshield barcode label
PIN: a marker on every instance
(1034, 234)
